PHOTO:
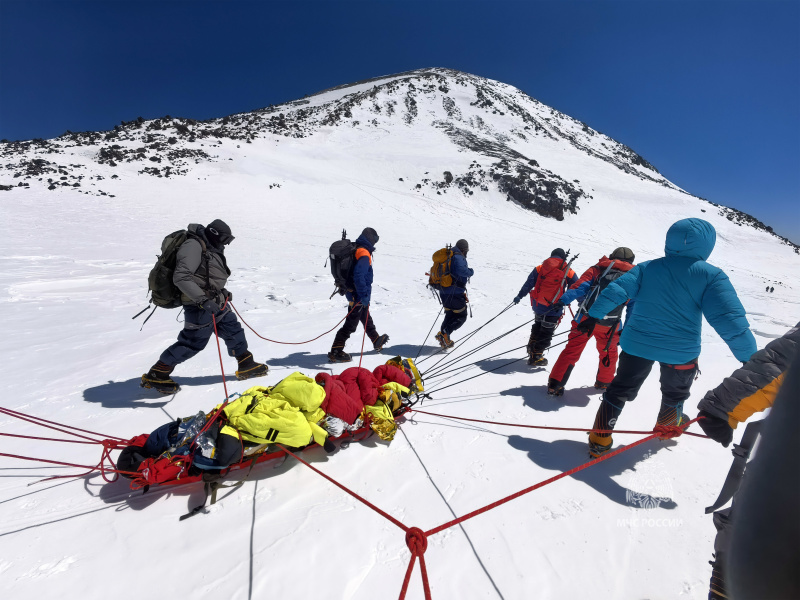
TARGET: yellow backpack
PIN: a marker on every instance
(439, 276)
(409, 368)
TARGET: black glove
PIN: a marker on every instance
(211, 307)
(587, 325)
(517, 299)
(227, 295)
(715, 428)
(557, 306)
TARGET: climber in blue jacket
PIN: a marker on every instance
(672, 296)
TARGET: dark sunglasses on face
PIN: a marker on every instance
(224, 238)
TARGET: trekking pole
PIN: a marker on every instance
(429, 333)
(560, 289)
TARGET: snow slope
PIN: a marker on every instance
(74, 271)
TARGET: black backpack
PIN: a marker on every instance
(342, 256)
(609, 275)
(163, 292)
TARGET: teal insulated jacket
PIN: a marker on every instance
(672, 295)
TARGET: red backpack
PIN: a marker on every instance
(550, 281)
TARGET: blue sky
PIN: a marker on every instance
(706, 90)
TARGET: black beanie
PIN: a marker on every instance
(218, 233)
(559, 252)
(463, 245)
(371, 235)
(623, 253)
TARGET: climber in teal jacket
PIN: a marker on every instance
(672, 296)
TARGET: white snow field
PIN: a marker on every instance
(74, 272)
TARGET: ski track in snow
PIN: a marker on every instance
(74, 272)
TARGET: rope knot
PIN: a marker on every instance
(416, 541)
(667, 432)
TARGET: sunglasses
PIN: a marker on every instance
(224, 238)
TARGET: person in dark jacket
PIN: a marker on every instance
(607, 331)
(201, 273)
(545, 284)
(454, 297)
(672, 296)
(750, 389)
(763, 561)
(359, 294)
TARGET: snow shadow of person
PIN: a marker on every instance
(130, 394)
(650, 483)
(305, 360)
(535, 397)
(409, 351)
(508, 364)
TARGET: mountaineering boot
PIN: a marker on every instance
(157, 378)
(535, 359)
(249, 368)
(599, 385)
(444, 340)
(554, 388)
(599, 444)
(379, 342)
(337, 355)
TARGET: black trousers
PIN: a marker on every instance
(358, 315)
(455, 312)
(542, 332)
(676, 382)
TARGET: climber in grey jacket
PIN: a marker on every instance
(201, 273)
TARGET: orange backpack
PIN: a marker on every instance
(550, 282)
(439, 276)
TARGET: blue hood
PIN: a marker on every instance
(693, 238)
(365, 243)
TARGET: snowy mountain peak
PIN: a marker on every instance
(515, 145)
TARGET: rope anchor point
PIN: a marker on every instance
(417, 541)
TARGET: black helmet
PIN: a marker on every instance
(559, 252)
(623, 253)
(463, 245)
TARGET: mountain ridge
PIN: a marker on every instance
(495, 121)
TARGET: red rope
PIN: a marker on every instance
(291, 343)
(341, 487)
(417, 543)
(108, 446)
(663, 434)
(219, 351)
(44, 439)
(40, 421)
(603, 431)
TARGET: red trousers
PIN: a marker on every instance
(574, 348)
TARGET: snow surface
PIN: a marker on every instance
(74, 272)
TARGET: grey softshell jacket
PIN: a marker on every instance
(191, 278)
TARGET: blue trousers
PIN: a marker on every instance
(198, 329)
